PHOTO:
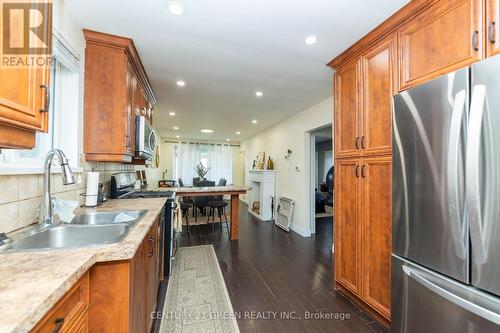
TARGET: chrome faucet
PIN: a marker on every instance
(46, 217)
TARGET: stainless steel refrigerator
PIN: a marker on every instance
(446, 203)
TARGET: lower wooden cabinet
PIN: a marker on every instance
(123, 293)
(363, 229)
(70, 314)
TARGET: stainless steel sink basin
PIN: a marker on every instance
(64, 236)
(100, 218)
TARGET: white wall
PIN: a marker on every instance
(291, 133)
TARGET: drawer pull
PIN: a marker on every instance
(151, 246)
(47, 97)
(356, 171)
(363, 142)
(475, 40)
(491, 32)
(59, 322)
(357, 142)
(363, 171)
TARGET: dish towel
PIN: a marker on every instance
(177, 216)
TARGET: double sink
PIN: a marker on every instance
(97, 228)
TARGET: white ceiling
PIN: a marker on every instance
(226, 50)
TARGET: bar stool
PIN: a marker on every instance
(221, 209)
(185, 211)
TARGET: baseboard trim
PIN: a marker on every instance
(300, 230)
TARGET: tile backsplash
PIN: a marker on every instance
(21, 195)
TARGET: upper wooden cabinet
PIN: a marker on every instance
(24, 93)
(347, 129)
(492, 31)
(446, 37)
(363, 100)
(113, 77)
(378, 85)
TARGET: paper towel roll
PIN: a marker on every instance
(92, 188)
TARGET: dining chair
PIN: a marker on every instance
(200, 203)
(186, 203)
(218, 203)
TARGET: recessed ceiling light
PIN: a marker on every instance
(181, 83)
(228, 139)
(311, 40)
(175, 8)
(176, 128)
(177, 136)
(238, 133)
(254, 121)
(259, 94)
(206, 130)
(172, 113)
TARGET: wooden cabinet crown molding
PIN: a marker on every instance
(412, 9)
(127, 44)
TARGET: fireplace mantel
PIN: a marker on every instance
(263, 183)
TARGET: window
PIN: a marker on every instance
(218, 157)
(63, 132)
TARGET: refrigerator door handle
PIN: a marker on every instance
(451, 297)
(453, 185)
(472, 172)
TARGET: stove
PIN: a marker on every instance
(123, 187)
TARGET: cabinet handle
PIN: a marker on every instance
(491, 32)
(356, 171)
(363, 171)
(475, 40)
(363, 142)
(151, 246)
(47, 97)
(59, 322)
(357, 142)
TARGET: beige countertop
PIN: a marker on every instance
(31, 282)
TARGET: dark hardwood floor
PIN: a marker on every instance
(268, 269)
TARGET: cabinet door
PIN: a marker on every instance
(346, 115)
(376, 227)
(152, 273)
(24, 93)
(130, 114)
(493, 27)
(139, 319)
(446, 37)
(377, 79)
(347, 237)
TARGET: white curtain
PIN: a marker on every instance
(218, 157)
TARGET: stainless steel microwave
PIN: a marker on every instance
(145, 138)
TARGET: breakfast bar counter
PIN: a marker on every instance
(232, 190)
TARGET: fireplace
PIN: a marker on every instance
(262, 193)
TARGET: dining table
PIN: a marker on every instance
(231, 190)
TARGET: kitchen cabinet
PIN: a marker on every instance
(113, 76)
(347, 138)
(347, 224)
(123, 293)
(24, 96)
(70, 314)
(492, 27)
(377, 87)
(376, 226)
(363, 229)
(363, 102)
(444, 38)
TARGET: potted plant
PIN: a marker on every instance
(201, 171)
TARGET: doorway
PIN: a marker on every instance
(321, 189)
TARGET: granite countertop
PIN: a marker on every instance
(33, 281)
